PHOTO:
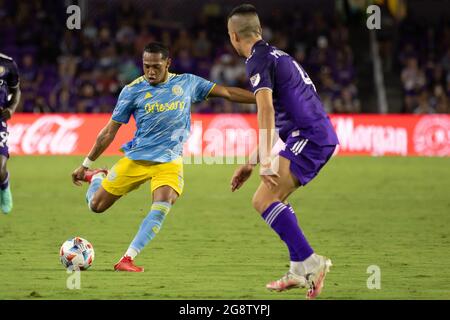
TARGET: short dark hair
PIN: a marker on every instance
(157, 47)
(245, 8)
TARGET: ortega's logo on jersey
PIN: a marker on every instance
(2, 70)
(255, 79)
(177, 90)
(162, 107)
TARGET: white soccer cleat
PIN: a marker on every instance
(315, 279)
(288, 281)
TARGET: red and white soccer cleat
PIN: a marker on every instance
(91, 172)
(316, 278)
(126, 264)
(288, 281)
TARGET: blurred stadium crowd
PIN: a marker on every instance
(424, 60)
(84, 70)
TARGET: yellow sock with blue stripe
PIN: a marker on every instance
(149, 227)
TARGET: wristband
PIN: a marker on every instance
(266, 162)
(87, 163)
(266, 172)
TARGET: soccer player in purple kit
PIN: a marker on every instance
(9, 99)
(287, 102)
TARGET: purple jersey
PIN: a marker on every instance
(9, 78)
(296, 102)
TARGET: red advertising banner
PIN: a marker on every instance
(234, 134)
(403, 135)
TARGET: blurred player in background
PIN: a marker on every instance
(9, 99)
(286, 99)
(160, 103)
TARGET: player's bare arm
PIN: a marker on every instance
(244, 172)
(8, 111)
(233, 94)
(242, 96)
(104, 139)
(266, 123)
(240, 176)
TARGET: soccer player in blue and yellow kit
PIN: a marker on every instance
(287, 100)
(160, 103)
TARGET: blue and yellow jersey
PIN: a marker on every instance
(162, 113)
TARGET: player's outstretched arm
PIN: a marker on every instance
(104, 139)
(233, 94)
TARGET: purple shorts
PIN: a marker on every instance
(307, 157)
(4, 139)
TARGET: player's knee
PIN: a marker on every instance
(259, 203)
(169, 200)
(96, 206)
(262, 201)
(170, 196)
(3, 173)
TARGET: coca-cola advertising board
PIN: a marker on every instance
(233, 134)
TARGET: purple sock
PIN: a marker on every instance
(282, 219)
(292, 210)
(4, 184)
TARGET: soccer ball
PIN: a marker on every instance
(76, 254)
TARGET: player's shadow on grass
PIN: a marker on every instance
(82, 271)
(100, 270)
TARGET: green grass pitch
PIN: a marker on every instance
(360, 211)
